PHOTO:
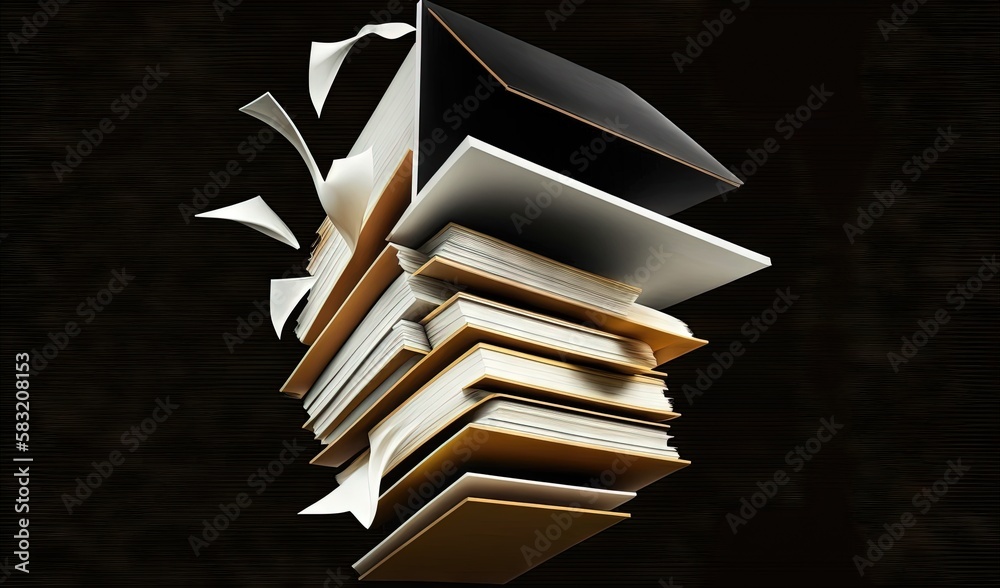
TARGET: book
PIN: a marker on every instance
(500, 369)
(491, 255)
(522, 93)
(386, 268)
(352, 384)
(486, 320)
(571, 222)
(661, 332)
(421, 508)
(475, 447)
(438, 408)
(484, 541)
(408, 298)
(667, 336)
(475, 485)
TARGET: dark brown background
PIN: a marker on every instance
(826, 357)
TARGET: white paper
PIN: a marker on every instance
(345, 190)
(345, 193)
(352, 495)
(285, 294)
(585, 227)
(325, 59)
(359, 484)
(256, 214)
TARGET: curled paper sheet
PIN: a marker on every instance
(345, 193)
(356, 493)
(345, 190)
(285, 294)
(359, 483)
(353, 495)
(325, 59)
(256, 214)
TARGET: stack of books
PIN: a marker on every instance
(482, 364)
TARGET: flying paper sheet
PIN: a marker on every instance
(345, 190)
(285, 294)
(256, 214)
(325, 59)
(359, 482)
(353, 495)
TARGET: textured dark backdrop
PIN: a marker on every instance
(163, 335)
